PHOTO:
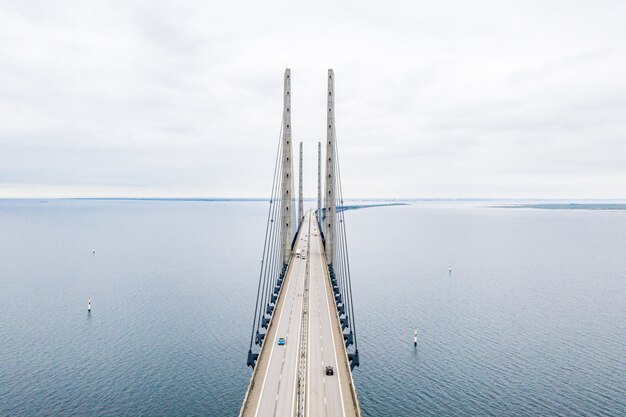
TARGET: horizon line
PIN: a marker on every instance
(309, 199)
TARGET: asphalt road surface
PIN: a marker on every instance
(274, 390)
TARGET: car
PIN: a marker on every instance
(281, 341)
(330, 370)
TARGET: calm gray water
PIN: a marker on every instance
(532, 320)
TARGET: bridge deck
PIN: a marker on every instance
(274, 383)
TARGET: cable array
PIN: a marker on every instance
(339, 272)
(272, 272)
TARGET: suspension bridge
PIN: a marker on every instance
(303, 344)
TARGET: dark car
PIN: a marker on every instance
(330, 370)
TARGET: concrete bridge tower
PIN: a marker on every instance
(319, 183)
(287, 200)
(300, 196)
(329, 197)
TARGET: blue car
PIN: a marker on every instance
(281, 341)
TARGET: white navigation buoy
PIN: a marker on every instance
(93, 251)
(89, 305)
(415, 337)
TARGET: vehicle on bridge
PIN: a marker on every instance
(330, 370)
(281, 341)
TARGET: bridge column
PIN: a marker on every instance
(287, 174)
(329, 198)
(319, 184)
(300, 198)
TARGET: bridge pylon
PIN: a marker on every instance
(300, 196)
(330, 202)
(319, 183)
(287, 200)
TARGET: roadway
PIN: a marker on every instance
(274, 384)
(324, 392)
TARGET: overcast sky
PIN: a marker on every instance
(433, 99)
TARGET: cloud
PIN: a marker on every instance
(488, 99)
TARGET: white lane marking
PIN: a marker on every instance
(315, 287)
(308, 353)
(332, 335)
(293, 397)
(269, 362)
